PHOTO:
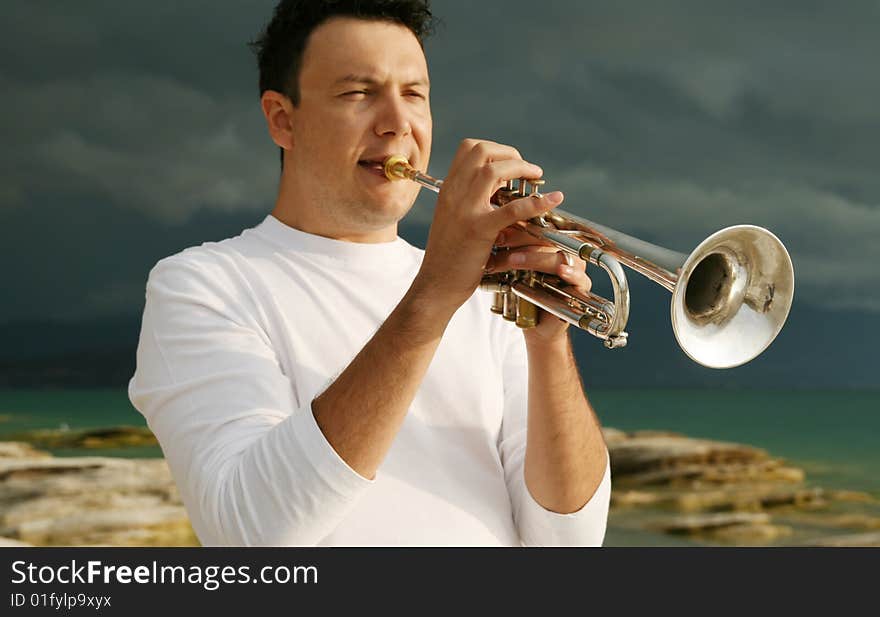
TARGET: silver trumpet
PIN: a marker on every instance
(730, 296)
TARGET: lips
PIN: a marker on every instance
(375, 165)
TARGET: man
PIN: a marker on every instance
(317, 380)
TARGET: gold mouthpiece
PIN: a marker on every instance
(396, 167)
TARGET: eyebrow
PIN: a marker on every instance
(366, 79)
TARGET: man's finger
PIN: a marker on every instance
(539, 259)
(526, 208)
(493, 175)
(515, 236)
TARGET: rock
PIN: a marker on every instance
(852, 496)
(47, 501)
(657, 471)
(11, 542)
(740, 528)
(113, 437)
(695, 523)
(636, 498)
(18, 449)
(652, 452)
(750, 498)
(86, 477)
(656, 433)
(857, 521)
(696, 476)
(848, 520)
(107, 526)
(760, 534)
(613, 435)
(859, 539)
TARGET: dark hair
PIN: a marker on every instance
(280, 47)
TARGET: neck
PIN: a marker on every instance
(302, 208)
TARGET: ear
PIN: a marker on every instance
(278, 111)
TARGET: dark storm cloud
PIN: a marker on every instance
(150, 106)
(665, 119)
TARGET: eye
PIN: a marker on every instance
(355, 94)
(414, 94)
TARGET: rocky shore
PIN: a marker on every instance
(698, 490)
(88, 501)
(719, 493)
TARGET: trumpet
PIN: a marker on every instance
(730, 296)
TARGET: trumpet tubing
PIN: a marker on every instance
(730, 296)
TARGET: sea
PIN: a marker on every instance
(834, 436)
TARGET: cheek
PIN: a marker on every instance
(330, 135)
(423, 136)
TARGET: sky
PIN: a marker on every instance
(133, 131)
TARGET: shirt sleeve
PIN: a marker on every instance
(251, 466)
(538, 526)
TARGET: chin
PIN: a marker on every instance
(392, 214)
(393, 204)
(376, 215)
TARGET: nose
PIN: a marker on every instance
(393, 118)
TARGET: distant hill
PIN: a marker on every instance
(32, 341)
(86, 369)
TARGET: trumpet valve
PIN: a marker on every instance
(497, 303)
(526, 313)
(508, 307)
(532, 187)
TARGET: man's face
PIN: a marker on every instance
(364, 96)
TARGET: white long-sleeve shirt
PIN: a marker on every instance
(238, 338)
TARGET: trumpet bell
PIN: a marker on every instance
(732, 297)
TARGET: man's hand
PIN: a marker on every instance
(519, 250)
(466, 225)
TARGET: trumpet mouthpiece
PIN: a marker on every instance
(396, 167)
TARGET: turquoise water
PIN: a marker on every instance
(38, 409)
(833, 436)
(27, 410)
